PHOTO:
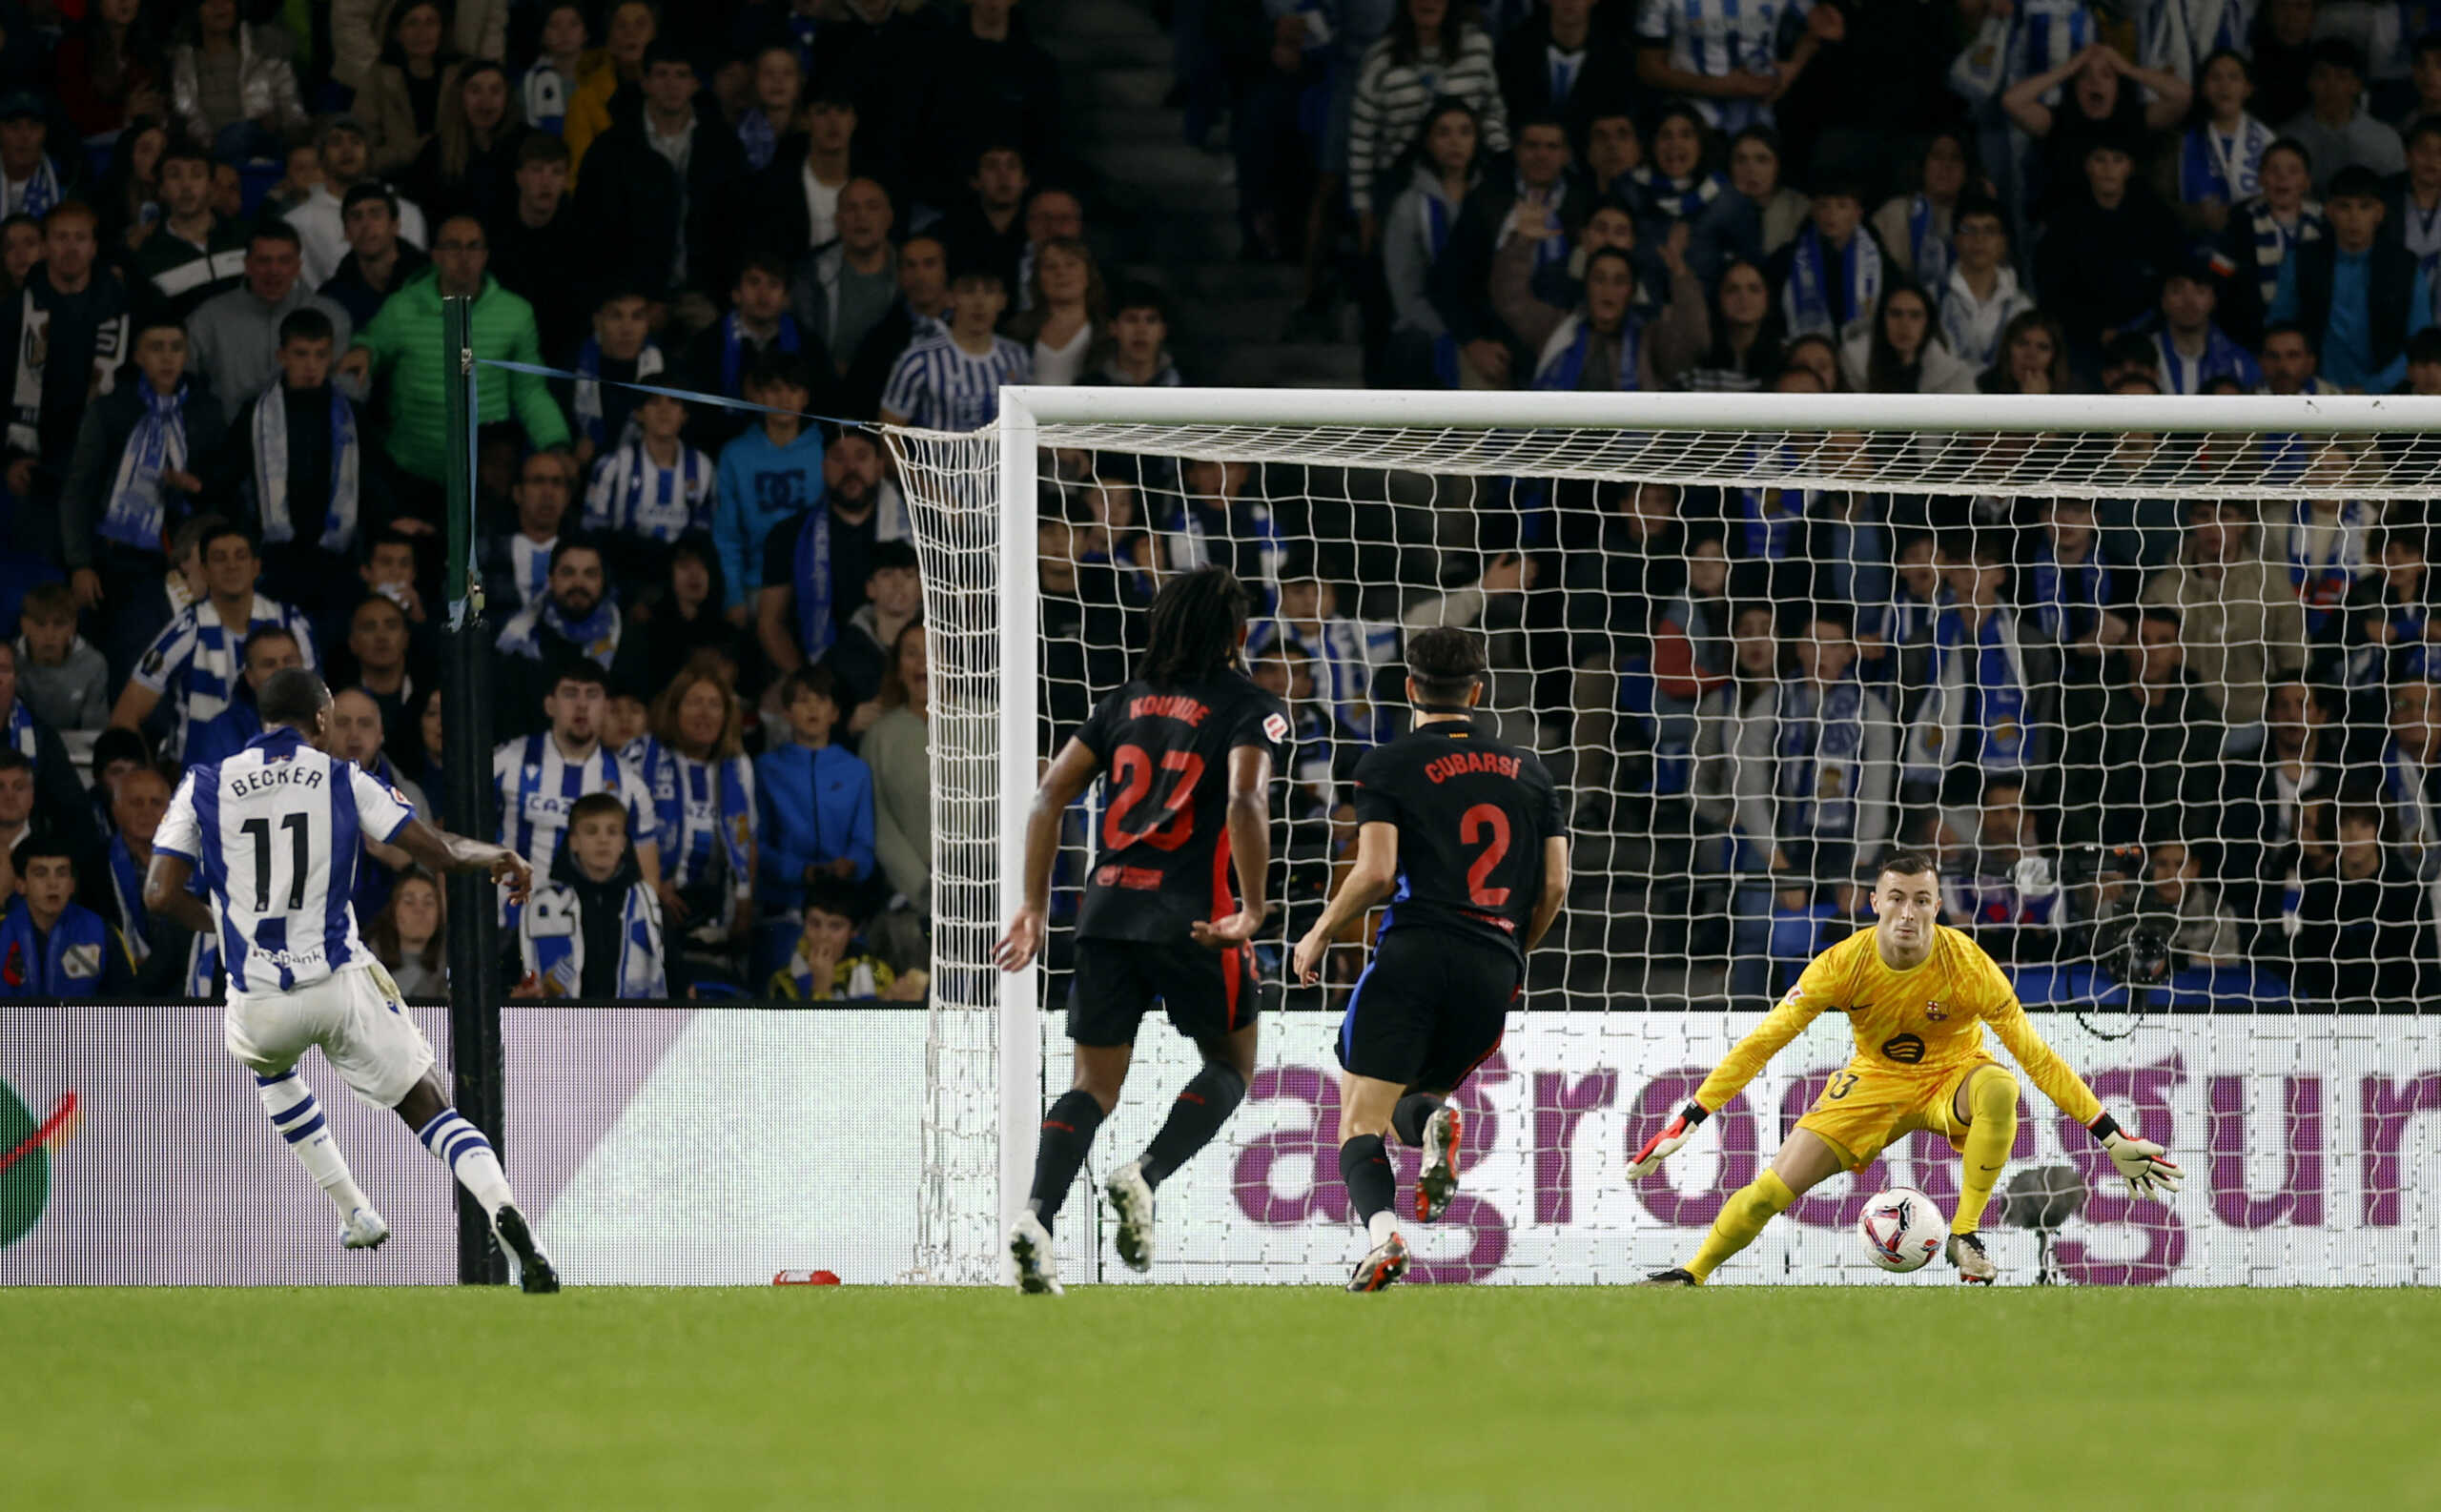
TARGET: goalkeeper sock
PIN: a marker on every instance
(298, 1115)
(1067, 1139)
(1372, 1186)
(1414, 1110)
(462, 1147)
(1994, 1098)
(1741, 1218)
(1204, 1105)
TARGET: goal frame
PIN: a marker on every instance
(1027, 409)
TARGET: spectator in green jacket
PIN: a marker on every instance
(404, 339)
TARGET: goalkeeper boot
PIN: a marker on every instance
(1438, 1181)
(1385, 1262)
(1030, 1247)
(535, 1273)
(364, 1230)
(1131, 1205)
(1966, 1252)
(1670, 1277)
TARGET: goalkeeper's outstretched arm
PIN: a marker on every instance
(1744, 1062)
(2146, 1165)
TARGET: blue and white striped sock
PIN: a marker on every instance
(298, 1115)
(462, 1147)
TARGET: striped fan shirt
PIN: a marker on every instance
(277, 832)
(941, 387)
(195, 659)
(1391, 98)
(1718, 38)
(538, 784)
(635, 496)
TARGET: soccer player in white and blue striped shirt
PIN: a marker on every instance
(1724, 55)
(195, 659)
(953, 382)
(277, 832)
(539, 778)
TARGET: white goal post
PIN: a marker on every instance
(1461, 482)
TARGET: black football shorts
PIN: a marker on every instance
(1428, 1008)
(1208, 994)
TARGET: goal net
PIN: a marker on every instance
(2154, 680)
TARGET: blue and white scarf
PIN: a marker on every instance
(19, 732)
(733, 348)
(596, 635)
(270, 470)
(1808, 300)
(706, 816)
(589, 420)
(816, 629)
(550, 941)
(1975, 710)
(2228, 168)
(1561, 367)
(1675, 198)
(42, 190)
(2273, 243)
(127, 898)
(2324, 575)
(2067, 598)
(1821, 749)
(138, 507)
(1853, 553)
(1928, 249)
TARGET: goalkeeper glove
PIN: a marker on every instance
(2150, 1171)
(1663, 1145)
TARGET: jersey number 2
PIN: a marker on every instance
(1472, 825)
(1131, 769)
(300, 859)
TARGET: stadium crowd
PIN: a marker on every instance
(227, 227)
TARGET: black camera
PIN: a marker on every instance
(2130, 943)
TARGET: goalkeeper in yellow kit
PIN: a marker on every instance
(1916, 995)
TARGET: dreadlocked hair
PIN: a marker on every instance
(1445, 662)
(1194, 628)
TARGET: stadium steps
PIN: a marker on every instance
(1166, 213)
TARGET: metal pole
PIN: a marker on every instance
(477, 1074)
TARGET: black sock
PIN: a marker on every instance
(1204, 1104)
(1372, 1186)
(1414, 1110)
(1067, 1137)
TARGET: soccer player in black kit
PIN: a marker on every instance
(1187, 751)
(1463, 835)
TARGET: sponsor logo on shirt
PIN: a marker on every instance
(1907, 1050)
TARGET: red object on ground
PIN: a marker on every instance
(806, 1278)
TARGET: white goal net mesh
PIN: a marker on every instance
(2159, 701)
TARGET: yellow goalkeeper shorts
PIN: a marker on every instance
(1864, 1108)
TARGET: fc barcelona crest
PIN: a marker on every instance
(1934, 1011)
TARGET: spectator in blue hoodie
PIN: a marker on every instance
(770, 473)
(816, 798)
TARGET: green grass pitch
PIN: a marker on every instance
(1884, 1397)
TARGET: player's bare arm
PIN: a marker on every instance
(1375, 874)
(1249, 846)
(439, 851)
(1547, 907)
(1070, 773)
(166, 894)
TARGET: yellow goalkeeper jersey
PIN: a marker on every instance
(1927, 1020)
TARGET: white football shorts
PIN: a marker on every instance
(357, 1017)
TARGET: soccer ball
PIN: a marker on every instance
(1903, 1229)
